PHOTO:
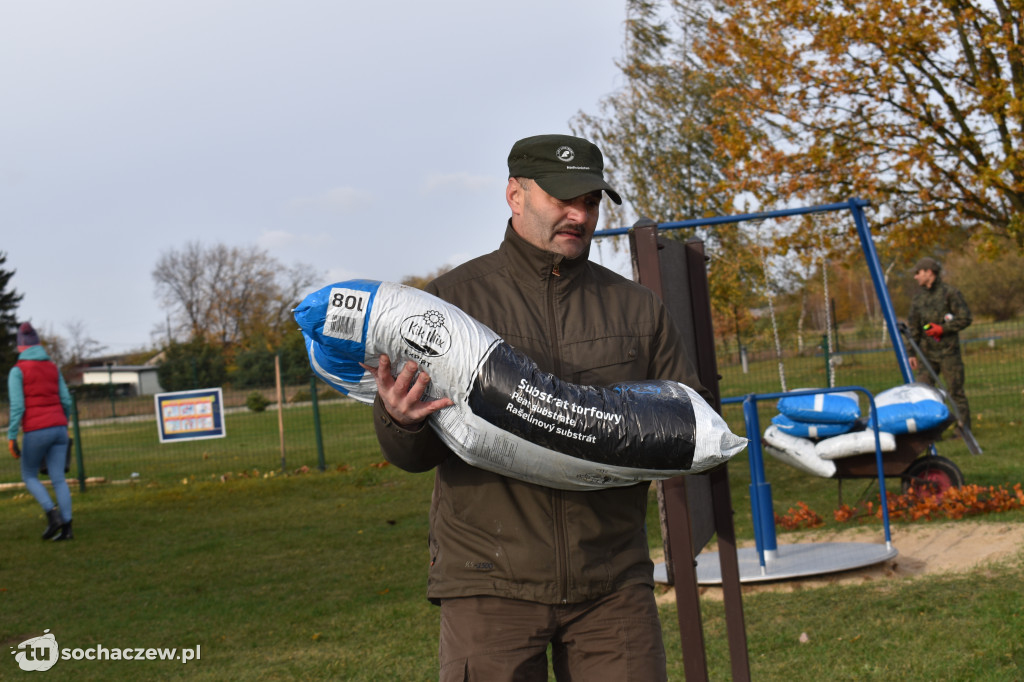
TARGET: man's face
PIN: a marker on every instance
(924, 277)
(564, 227)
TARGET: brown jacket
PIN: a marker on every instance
(493, 535)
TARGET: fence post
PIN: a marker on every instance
(78, 443)
(316, 423)
(110, 388)
(280, 410)
(828, 360)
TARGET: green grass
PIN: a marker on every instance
(956, 627)
(277, 578)
(322, 576)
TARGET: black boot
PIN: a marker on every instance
(55, 522)
(65, 533)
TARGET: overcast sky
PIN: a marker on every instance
(365, 139)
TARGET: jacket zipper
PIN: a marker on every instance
(557, 497)
(554, 349)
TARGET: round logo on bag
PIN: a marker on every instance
(426, 334)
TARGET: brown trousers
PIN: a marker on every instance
(491, 639)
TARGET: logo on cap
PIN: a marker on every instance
(565, 153)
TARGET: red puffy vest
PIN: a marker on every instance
(40, 386)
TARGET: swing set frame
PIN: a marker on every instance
(856, 208)
(688, 522)
(932, 471)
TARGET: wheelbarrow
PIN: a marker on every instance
(911, 457)
(914, 462)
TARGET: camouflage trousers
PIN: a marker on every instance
(951, 369)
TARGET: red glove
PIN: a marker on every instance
(933, 330)
(12, 445)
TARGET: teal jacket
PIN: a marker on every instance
(16, 391)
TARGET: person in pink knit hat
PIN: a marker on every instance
(40, 405)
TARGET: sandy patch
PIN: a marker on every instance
(924, 548)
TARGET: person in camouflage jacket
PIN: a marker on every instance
(938, 313)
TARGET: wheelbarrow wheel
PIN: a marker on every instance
(931, 475)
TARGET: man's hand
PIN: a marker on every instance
(913, 363)
(12, 445)
(403, 395)
(933, 330)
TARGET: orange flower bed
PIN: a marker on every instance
(954, 503)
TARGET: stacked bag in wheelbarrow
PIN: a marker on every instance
(806, 418)
(813, 430)
(508, 416)
(910, 408)
(817, 415)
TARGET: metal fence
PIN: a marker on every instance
(117, 438)
(993, 354)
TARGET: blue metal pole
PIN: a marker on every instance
(721, 220)
(761, 507)
(883, 496)
(881, 290)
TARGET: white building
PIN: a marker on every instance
(140, 379)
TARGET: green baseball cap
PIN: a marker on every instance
(564, 166)
(927, 263)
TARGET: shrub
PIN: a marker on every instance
(256, 402)
(192, 365)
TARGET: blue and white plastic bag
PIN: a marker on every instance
(814, 431)
(509, 417)
(796, 452)
(821, 408)
(910, 408)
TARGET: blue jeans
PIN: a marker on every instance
(50, 445)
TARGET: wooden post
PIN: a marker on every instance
(280, 408)
(693, 508)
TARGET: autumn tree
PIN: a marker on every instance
(995, 290)
(656, 131)
(229, 296)
(659, 133)
(737, 281)
(915, 106)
